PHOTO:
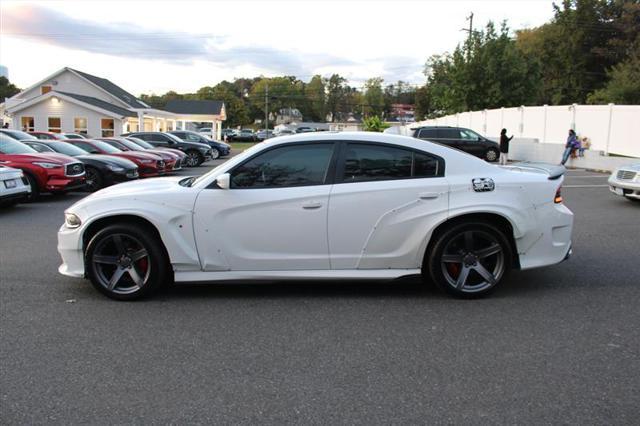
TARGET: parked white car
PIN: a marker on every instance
(625, 181)
(13, 186)
(323, 206)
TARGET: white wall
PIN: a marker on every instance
(613, 129)
(67, 111)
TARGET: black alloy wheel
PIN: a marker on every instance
(94, 180)
(470, 260)
(194, 158)
(125, 262)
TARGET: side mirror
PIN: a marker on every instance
(224, 181)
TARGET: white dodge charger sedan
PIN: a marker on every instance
(323, 206)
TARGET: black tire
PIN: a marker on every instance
(492, 155)
(95, 180)
(468, 260)
(35, 191)
(126, 262)
(215, 154)
(194, 158)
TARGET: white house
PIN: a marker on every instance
(73, 101)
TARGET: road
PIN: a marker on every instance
(553, 345)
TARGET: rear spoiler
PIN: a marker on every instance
(552, 170)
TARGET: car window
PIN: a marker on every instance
(469, 135)
(295, 165)
(193, 138)
(39, 147)
(428, 134)
(364, 162)
(10, 146)
(449, 133)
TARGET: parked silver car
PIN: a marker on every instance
(625, 181)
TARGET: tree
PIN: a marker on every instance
(315, 94)
(7, 89)
(283, 92)
(623, 86)
(373, 123)
(373, 97)
(422, 103)
(234, 107)
(336, 93)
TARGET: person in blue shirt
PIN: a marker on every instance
(572, 143)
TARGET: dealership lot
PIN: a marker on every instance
(559, 344)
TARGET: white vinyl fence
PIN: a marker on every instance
(612, 129)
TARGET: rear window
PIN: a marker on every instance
(449, 133)
(427, 133)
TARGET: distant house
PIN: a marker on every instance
(404, 113)
(74, 101)
(288, 115)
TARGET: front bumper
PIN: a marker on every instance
(62, 184)
(625, 188)
(70, 249)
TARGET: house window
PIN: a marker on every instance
(55, 124)
(106, 126)
(45, 89)
(27, 124)
(80, 125)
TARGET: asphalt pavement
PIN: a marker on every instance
(554, 345)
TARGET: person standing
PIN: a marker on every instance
(504, 146)
(572, 143)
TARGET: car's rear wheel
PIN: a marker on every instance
(469, 260)
(94, 179)
(194, 158)
(126, 262)
(491, 155)
(35, 191)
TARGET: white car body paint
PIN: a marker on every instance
(366, 230)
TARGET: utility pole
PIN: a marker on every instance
(470, 31)
(266, 108)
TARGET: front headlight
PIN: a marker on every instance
(146, 161)
(115, 168)
(47, 165)
(637, 179)
(71, 220)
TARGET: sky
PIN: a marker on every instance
(156, 46)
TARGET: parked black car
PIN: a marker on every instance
(218, 149)
(197, 153)
(460, 138)
(100, 170)
(245, 135)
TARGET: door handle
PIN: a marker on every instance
(311, 205)
(429, 195)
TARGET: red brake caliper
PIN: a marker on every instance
(454, 269)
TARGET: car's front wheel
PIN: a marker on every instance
(126, 262)
(35, 191)
(194, 158)
(215, 154)
(469, 260)
(94, 180)
(491, 155)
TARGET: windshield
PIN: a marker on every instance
(40, 147)
(9, 146)
(245, 154)
(174, 137)
(66, 148)
(140, 142)
(18, 135)
(132, 146)
(106, 147)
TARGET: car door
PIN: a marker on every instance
(274, 214)
(450, 137)
(471, 142)
(384, 201)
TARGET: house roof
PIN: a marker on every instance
(194, 107)
(112, 89)
(100, 104)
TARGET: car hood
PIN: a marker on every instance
(634, 166)
(107, 159)
(139, 155)
(48, 157)
(165, 155)
(177, 152)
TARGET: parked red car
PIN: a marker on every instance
(149, 165)
(55, 173)
(47, 135)
(171, 161)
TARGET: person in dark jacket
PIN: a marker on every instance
(504, 146)
(572, 143)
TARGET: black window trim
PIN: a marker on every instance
(339, 175)
(328, 177)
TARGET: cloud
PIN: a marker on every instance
(50, 27)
